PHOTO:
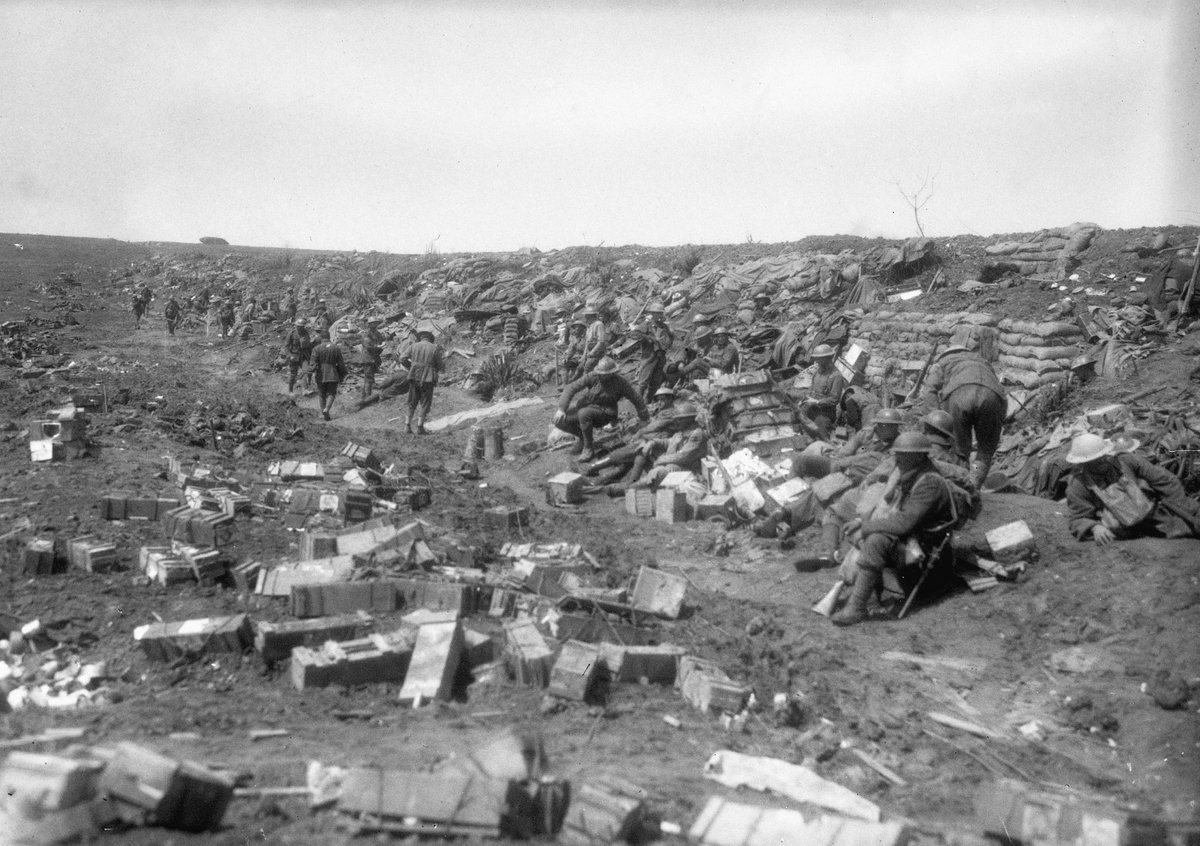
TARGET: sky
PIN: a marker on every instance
(459, 126)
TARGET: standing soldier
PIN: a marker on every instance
(595, 341)
(226, 317)
(371, 356)
(723, 355)
(962, 383)
(290, 305)
(172, 313)
(297, 346)
(329, 369)
(141, 304)
(424, 363)
(655, 345)
(323, 320)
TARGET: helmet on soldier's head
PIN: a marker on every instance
(721, 331)
(605, 366)
(685, 410)
(664, 391)
(940, 421)
(589, 312)
(912, 443)
(1088, 447)
(887, 417)
(823, 351)
(655, 308)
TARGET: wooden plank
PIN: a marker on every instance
(436, 656)
(962, 725)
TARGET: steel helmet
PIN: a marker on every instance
(687, 409)
(699, 318)
(605, 366)
(823, 351)
(887, 416)
(589, 312)
(721, 330)
(664, 391)
(941, 422)
(655, 308)
(912, 442)
(1088, 447)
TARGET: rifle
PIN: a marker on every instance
(916, 390)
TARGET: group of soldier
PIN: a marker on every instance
(419, 360)
(907, 489)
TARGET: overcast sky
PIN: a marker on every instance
(496, 125)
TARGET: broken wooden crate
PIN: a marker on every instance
(436, 655)
(725, 823)
(446, 804)
(323, 600)
(368, 660)
(575, 671)
(633, 664)
(168, 641)
(92, 554)
(608, 810)
(707, 688)
(151, 789)
(526, 654)
(658, 592)
(1015, 812)
(275, 641)
(505, 518)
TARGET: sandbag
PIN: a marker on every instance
(1047, 329)
(1032, 365)
(1041, 353)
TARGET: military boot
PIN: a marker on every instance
(408, 424)
(855, 610)
(980, 468)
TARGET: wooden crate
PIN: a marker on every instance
(659, 592)
(575, 670)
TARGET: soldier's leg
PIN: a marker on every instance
(874, 553)
(988, 425)
(958, 404)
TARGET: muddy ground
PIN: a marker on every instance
(1131, 611)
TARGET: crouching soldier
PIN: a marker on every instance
(591, 402)
(917, 505)
(1118, 496)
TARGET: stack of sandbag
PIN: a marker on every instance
(904, 339)
(1036, 354)
(1051, 251)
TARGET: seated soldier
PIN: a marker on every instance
(591, 401)
(825, 394)
(616, 465)
(722, 355)
(918, 504)
(938, 426)
(1113, 496)
(683, 450)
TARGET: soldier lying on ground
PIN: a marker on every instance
(1115, 497)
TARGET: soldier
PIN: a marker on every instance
(918, 504)
(938, 426)
(171, 313)
(654, 345)
(664, 400)
(226, 317)
(724, 355)
(1114, 496)
(591, 401)
(371, 355)
(141, 305)
(571, 357)
(424, 363)
(825, 394)
(595, 341)
(962, 383)
(322, 319)
(701, 344)
(290, 305)
(329, 370)
(297, 346)
(681, 450)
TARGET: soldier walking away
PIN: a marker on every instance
(290, 305)
(141, 305)
(329, 369)
(591, 401)
(962, 383)
(297, 346)
(172, 312)
(371, 356)
(323, 320)
(424, 363)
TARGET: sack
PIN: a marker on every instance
(1125, 503)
